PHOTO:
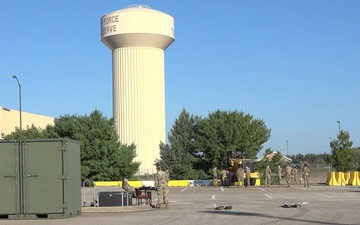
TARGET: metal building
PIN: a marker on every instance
(137, 37)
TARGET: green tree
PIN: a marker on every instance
(273, 162)
(103, 157)
(343, 156)
(30, 132)
(180, 156)
(226, 130)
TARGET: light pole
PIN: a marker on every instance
(20, 104)
(287, 148)
(21, 157)
(339, 125)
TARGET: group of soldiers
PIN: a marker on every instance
(243, 176)
(290, 175)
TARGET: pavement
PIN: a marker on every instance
(252, 205)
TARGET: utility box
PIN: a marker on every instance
(42, 179)
(114, 198)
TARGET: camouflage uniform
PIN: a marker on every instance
(288, 170)
(224, 178)
(215, 173)
(306, 175)
(126, 186)
(248, 172)
(295, 175)
(267, 176)
(279, 172)
(161, 184)
(240, 176)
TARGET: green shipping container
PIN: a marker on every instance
(42, 179)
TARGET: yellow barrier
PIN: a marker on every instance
(236, 183)
(107, 183)
(218, 183)
(336, 179)
(346, 178)
(340, 178)
(172, 183)
(255, 175)
(136, 183)
(354, 178)
(178, 183)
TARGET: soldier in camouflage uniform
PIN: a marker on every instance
(306, 175)
(295, 175)
(288, 170)
(267, 176)
(161, 184)
(248, 173)
(215, 175)
(279, 173)
(240, 172)
(126, 186)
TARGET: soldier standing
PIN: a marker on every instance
(267, 176)
(279, 173)
(126, 186)
(248, 172)
(224, 177)
(295, 174)
(161, 184)
(214, 176)
(306, 175)
(240, 176)
(288, 170)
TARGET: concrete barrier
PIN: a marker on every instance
(346, 178)
(203, 183)
(354, 178)
(108, 183)
(136, 183)
(178, 183)
(172, 183)
(336, 179)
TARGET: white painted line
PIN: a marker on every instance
(222, 189)
(213, 197)
(268, 196)
(184, 189)
(262, 189)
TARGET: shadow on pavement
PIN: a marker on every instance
(235, 213)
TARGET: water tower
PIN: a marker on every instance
(138, 37)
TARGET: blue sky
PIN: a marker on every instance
(294, 64)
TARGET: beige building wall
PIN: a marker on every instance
(10, 119)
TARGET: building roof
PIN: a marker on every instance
(271, 155)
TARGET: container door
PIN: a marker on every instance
(9, 194)
(43, 177)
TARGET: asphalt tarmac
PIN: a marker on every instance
(252, 205)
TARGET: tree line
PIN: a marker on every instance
(194, 145)
(103, 157)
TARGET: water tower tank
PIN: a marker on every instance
(137, 37)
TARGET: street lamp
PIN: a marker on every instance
(20, 104)
(339, 125)
(287, 147)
